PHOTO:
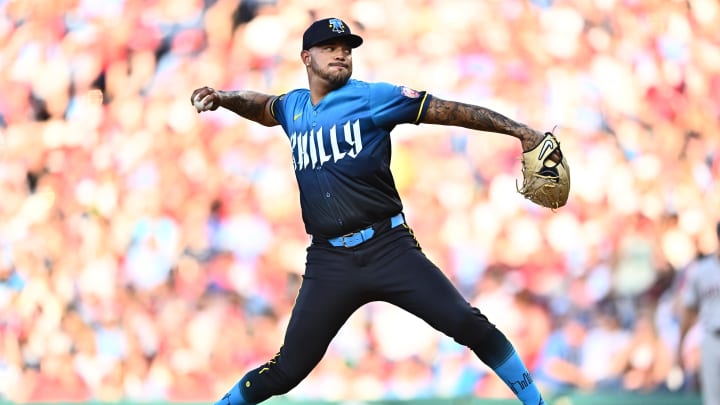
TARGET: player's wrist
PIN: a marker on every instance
(223, 97)
(529, 138)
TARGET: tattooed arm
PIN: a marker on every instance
(248, 104)
(470, 116)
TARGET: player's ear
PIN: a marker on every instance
(305, 56)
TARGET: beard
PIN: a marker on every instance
(335, 78)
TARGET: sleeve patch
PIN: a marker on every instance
(410, 93)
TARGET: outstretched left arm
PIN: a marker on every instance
(444, 112)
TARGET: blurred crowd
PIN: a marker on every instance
(148, 252)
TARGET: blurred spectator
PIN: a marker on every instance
(153, 248)
(645, 362)
(409, 379)
(559, 369)
(534, 328)
(57, 381)
(456, 373)
(606, 339)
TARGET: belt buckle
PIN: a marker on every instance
(344, 238)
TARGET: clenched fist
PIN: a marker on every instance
(205, 99)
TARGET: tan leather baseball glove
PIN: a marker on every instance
(546, 181)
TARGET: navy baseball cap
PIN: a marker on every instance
(328, 29)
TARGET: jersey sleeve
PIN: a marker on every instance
(277, 108)
(391, 104)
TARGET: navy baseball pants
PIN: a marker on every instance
(338, 280)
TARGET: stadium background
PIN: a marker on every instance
(149, 253)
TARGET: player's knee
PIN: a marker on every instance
(468, 328)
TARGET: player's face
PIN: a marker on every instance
(332, 61)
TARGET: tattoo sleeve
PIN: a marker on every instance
(470, 116)
(249, 104)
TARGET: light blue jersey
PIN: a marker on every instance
(341, 152)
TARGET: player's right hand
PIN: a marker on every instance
(205, 99)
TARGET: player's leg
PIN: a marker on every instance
(710, 369)
(412, 282)
(327, 297)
